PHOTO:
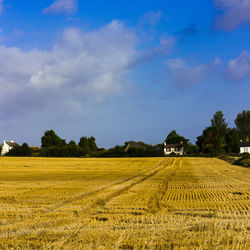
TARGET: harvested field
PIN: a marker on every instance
(134, 203)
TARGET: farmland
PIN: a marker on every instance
(133, 203)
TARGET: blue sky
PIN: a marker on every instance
(121, 70)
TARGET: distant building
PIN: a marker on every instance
(177, 149)
(244, 147)
(35, 149)
(7, 146)
(133, 144)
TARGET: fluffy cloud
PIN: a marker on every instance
(165, 46)
(238, 68)
(184, 74)
(232, 13)
(62, 6)
(81, 66)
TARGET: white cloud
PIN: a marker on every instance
(1, 5)
(238, 68)
(152, 18)
(165, 46)
(232, 13)
(62, 6)
(185, 74)
(81, 66)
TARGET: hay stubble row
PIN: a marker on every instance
(140, 203)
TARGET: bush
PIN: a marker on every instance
(243, 161)
(23, 150)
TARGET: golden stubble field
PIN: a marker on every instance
(134, 203)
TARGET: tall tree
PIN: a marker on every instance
(208, 140)
(213, 138)
(92, 144)
(84, 145)
(219, 131)
(50, 138)
(242, 122)
(199, 142)
(233, 141)
(218, 123)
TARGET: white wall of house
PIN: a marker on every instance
(168, 151)
(5, 148)
(244, 150)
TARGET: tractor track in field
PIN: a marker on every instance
(142, 177)
(96, 191)
(126, 188)
(98, 203)
(155, 204)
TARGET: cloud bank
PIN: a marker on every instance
(231, 14)
(184, 74)
(62, 6)
(80, 67)
(239, 68)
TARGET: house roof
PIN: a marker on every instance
(11, 144)
(244, 144)
(134, 144)
(173, 146)
(34, 148)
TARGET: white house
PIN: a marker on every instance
(177, 149)
(245, 147)
(7, 146)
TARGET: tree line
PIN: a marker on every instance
(54, 146)
(217, 138)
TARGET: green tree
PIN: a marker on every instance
(199, 142)
(213, 138)
(174, 138)
(218, 123)
(242, 123)
(25, 150)
(73, 149)
(84, 145)
(72, 143)
(50, 138)
(208, 140)
(219, 127)
(218, 130)
(15, 151)
(232, 141)
(192, 149)
(92, 144)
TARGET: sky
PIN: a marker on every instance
(121, 70)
